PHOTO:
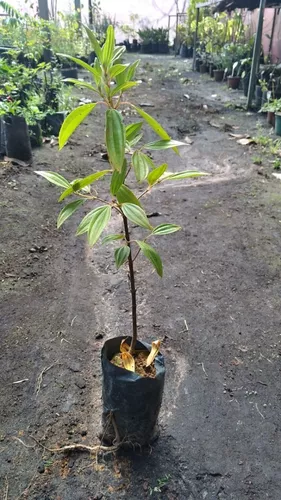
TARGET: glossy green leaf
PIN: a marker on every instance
(95, 44)
(185, 174)
(117, 69)
(81, 63)
(107, 50)
(158, 129)
(79, 83)
(136, 215)
(82, 183)
(118, 178)
(153, 256)
(125, 195)
(121, 255)
(165, 229)
(132, 130)
(73, 120)
(115, 138)
(155, 174)
(158, 145)
(67, 211)
(142, 164)
(98, 223)
(121, 88)
(112, 237)
(54, 178)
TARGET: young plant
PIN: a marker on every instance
(129, 166)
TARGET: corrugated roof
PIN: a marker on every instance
(229, 5)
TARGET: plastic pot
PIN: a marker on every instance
(271, 118)
(233, 82)
(134, 401)
(69, 73)
(17, 139)
(2, 138)
(258, 96)
(135, 45)
(163, 48)
(35, 134)
(53, 122)
(218, 75)
(184, 51)
(278, 123)
(198, 63)
(204, 68)
(146, 48)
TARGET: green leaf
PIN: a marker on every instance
(133, 142)
(81, 183)
(115, 138)
(121, 88)
(118, 178)
(98, 223)
(72, 121)
(121, 255)
(157, 145)
(133, 130)
(81, 63)
(132, 70)
(136, 215)
(125, 195)
(111, 237)
(107, 50)
(84, 224)
(67, 211)
(153, 256)
(54, 178)
(141, 163)
(154, 125)
(118, 52)
(153, 176)
(185, 174)
(79, 83)
(165, 229)
(117, 69)
(94, 42)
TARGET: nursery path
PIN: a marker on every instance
(220, 421)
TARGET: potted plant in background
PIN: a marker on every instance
(271, 107)
(219, 64)
(17, 140)
(245, 70)
(133, 372)
(146, 40)
(233, 80)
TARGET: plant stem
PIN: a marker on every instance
(132, 286)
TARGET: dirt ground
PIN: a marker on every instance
(220, 420)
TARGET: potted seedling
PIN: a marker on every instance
(272, 108)
(233, 80)
(133, 371)
(16, 135)
(219, 64)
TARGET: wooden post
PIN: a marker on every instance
(195, 39)
(256, 55)
(43, 10)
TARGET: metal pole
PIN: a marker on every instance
(256, 55)
(272, 32)
(195, 40)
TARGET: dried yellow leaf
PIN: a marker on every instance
(123, 346)
(128, 361)
(155, 346)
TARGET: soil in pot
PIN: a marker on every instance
(17, 139)
(233, 82)
(218, 75)
(69, 73)
(132, 399)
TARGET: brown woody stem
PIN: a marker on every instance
(132, 286)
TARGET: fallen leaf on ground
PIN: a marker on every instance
(246, 142)
(188, 140)
(239, 136)
(278, 176)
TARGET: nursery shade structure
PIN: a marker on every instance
(229, 5)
